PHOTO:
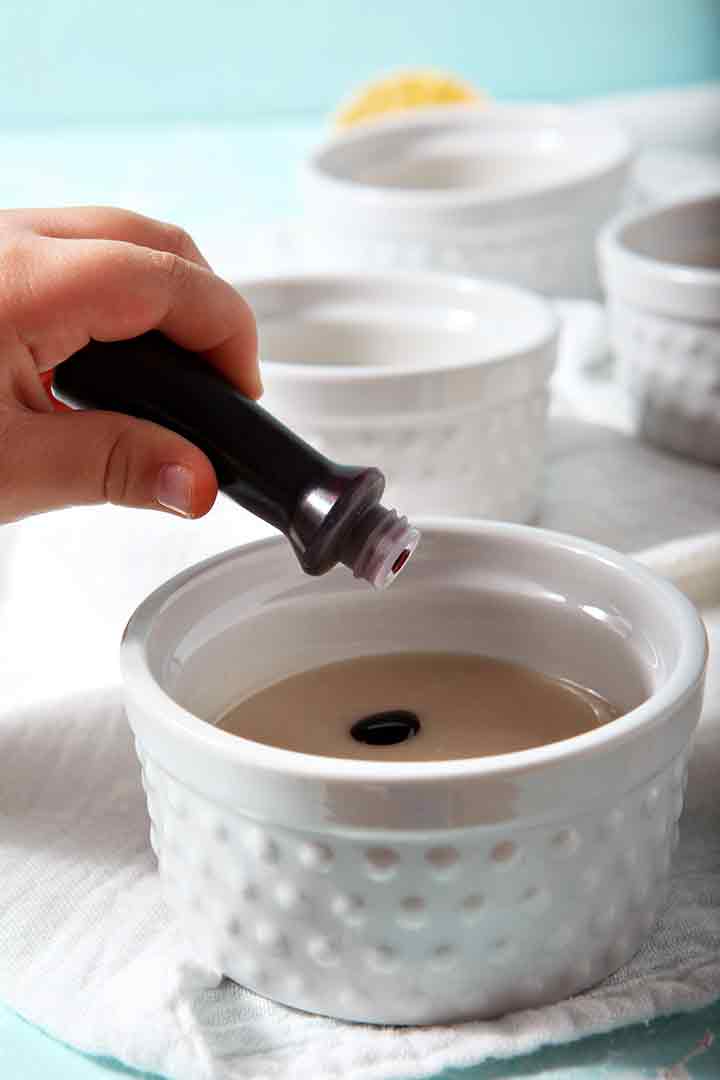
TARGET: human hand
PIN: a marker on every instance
(70, 275)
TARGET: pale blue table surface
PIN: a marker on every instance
(212, 179)
(657, 1050)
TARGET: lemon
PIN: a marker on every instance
(405, 90)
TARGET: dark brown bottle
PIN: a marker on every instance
(330, 513)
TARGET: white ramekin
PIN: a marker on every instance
(665, 175)
(416, 892)
(518, 193)
(441, 381)
(664, 313)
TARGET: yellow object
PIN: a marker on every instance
(405, 90)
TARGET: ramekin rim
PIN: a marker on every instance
(356, 373)
(434, 199)
(610, 245)
(680, 685)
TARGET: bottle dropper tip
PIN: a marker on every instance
(387, 551)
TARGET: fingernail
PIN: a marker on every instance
(174, 489)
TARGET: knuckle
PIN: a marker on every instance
(116, 483)
(13, 484)
(16, 250)
(177, 241)
(116, 221)
(171, 266)
(17, 257)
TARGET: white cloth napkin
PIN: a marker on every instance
(90, 952)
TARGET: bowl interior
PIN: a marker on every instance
(251, 618)
(392, 321)
(685, 234)
(444, 161)
(494, 152)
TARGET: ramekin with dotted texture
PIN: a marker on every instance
(513, 192)
(661, 270)
(441, 381)
(405, 893)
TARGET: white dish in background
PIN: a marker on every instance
(692, 563)
(660, 176)
(676, 134)
(440, 381)
(682, 117)
(582, 385)
(416, 892)
(505, 191)
(661, 269)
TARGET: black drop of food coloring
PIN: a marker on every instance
(386, 728)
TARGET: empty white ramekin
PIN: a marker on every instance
(440, 381)
(661, 271)
(508, 191)
(416, 892)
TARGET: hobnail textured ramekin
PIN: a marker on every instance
(441, 381)
(416, 892)
(506, 191)
(664, 314)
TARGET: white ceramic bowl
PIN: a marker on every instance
(661, 176)
(661, 270)
(440, 381)
(507, 191)
(416, 892)
(685, 118)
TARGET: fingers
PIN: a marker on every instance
(93, 272)
(107, 223)
(110, 290)
(65, 459)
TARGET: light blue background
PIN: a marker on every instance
(171, 60)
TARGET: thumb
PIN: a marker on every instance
(50, 460)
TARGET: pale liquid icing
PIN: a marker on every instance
(468, 706)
